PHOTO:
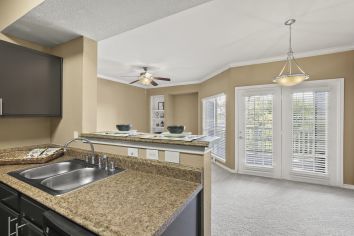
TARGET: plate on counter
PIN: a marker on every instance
(181, 135)
(127, 132)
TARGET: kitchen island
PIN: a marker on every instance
(138, 201)
(194, 153)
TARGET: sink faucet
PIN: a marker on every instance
(84, 140)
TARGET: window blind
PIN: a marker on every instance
(259, 130)
(214, 123)
(310, 132)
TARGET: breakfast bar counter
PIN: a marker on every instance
(191, 150)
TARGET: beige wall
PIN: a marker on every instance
(15, 132)
(89, 85)
(185, 111)
(121, 103)
(338, 65)
(79, 89)
(63, 128)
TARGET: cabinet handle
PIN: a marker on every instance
(9, 220)
(18, 227)
(0, 106)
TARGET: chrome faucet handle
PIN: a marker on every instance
(111, 166)
(92, 160)
(105, 162)
(100, 160)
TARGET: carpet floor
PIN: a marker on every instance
(249, 205)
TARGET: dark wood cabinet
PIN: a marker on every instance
(29, 229)
(8, 218)
(30, 82)
(32, 217)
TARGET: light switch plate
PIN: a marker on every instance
(133, 152)
(152, 154)
(172, 156)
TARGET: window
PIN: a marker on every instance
(310, 132)
(259, 130)
(214, 123)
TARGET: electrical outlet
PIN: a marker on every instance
(133, 152)
(152, 154)
(76, 134)
(172, 156)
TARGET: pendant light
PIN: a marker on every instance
(290, 75)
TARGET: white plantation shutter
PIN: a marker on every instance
(294, 133)
(259, 130)
(214, 123)
(310, 132)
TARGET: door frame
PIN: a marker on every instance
(272, 172)
(339, 87)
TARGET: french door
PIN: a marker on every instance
(291, 132)
(259, 136)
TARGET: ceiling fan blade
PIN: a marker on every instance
(161, 78)
(153, 83)
(134, 81)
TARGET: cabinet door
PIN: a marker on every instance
(28, 229)
(30, 82)
(7, 214)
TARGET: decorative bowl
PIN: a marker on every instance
(175, 129)
(123, 127)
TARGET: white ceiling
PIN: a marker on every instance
(185, 39)
(58, 21)
(194, 44)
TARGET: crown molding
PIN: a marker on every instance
(240, 64)
(101, 76)
(297, 55)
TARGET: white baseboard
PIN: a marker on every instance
(225, 167)
(348, 186)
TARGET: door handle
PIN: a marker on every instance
(18, 227)
(0, 106)
(9, 220)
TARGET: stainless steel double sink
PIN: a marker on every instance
(62, 177)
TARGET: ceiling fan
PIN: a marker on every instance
(147, 78)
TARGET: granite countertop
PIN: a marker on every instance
(133, 202)
(201, 142)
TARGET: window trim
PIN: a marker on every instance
(216, 157)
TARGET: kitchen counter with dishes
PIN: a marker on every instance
(142, 200)
(186, 140)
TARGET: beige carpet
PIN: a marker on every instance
(248, 205)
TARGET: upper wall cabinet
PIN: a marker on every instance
(30, 82)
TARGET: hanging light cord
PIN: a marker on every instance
(290, 56)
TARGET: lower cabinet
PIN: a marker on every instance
(8, 220)
(188, 222)
(29, 229)
(22, 216)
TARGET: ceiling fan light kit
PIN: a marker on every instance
(146, 78)
(287, 76)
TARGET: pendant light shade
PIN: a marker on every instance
(291, 73)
